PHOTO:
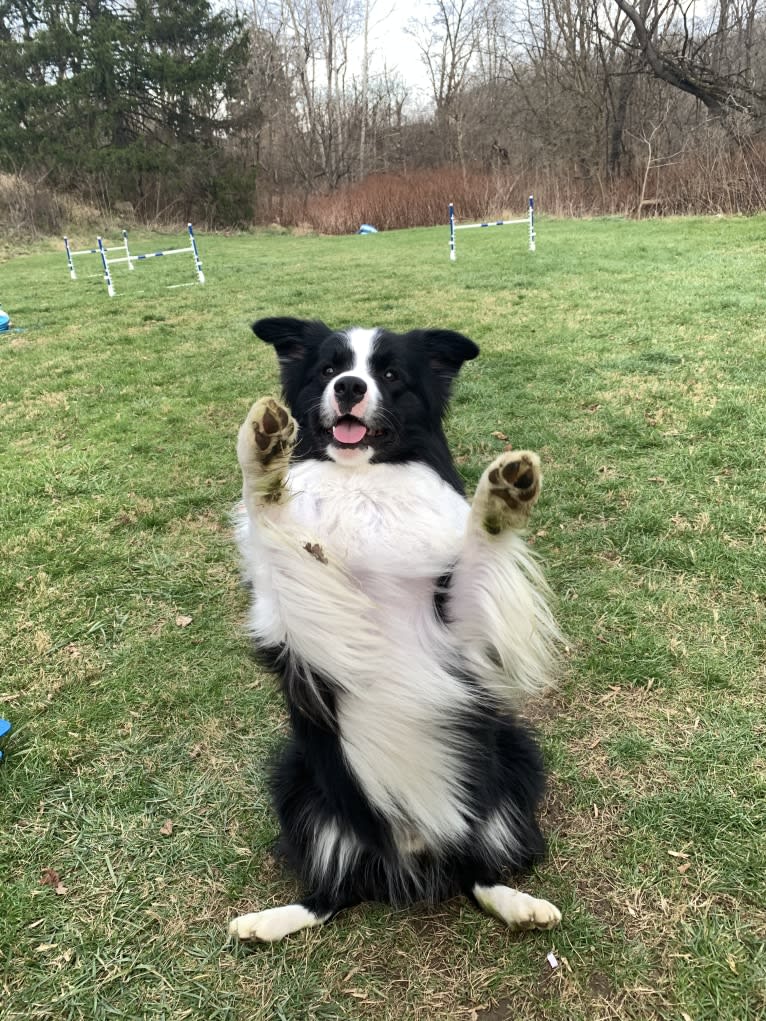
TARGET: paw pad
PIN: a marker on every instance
(273, 429)
(274, 420)
(512, 486)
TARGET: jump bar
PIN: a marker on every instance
(492, 223)
(150, 255)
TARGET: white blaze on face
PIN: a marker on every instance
(362, 343)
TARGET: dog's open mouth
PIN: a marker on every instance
(349, 431)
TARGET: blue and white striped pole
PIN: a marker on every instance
(127, 250)
(105, 264)
(197, 263)
(452, 254)
(72, 273)
(532, 235)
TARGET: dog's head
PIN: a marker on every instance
(363, 395)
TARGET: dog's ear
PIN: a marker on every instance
(447, 350)
(291, 338)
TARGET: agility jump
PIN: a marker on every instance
(529, 220)
(94, 251)
(106, 263)
(130, 259)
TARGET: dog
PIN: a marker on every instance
(405, 626)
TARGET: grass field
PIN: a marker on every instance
(133, 821)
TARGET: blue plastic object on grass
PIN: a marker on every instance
(5, 729)
(5, 321)
(367, 228)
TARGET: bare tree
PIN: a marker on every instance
(447, 40)
(683, 45)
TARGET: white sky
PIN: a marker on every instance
(392, 47)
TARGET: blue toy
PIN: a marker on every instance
(5, 729)
(5, 321)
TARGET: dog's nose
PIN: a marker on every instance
(350, 389)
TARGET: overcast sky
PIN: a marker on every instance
(392, 47)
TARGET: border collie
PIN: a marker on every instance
(405, 625)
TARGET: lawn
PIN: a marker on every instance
(133, 819)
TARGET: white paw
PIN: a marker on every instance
(273, 923)
(518, 910)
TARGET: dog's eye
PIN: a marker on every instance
(390, 375)
(328, 371)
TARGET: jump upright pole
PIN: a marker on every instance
(72, 273)
(197, 262)
(105, 264)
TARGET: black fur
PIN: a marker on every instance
(426, 363)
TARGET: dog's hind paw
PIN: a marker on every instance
(265, 444)
(273, 923)
(508, 490)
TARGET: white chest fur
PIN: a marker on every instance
(344, 575)
(394, 519)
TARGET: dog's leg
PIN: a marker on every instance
(265, 443)
(276, 923)
(498, 606)
(518, 910)
(507, 492)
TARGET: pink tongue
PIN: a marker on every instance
(349, 432)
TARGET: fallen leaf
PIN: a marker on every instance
(498, 435)
(61, 890)
(678, 854)
(732, 964)
(682, 869)
(182, 620)
(42, 947)
(316, 551)
(166, 830)
(50, 877)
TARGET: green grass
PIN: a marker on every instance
(632, 356)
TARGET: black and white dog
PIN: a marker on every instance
(404, 623)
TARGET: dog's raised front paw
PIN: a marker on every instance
(265, 444)
(270, 430)
(508, 490)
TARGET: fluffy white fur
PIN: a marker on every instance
(385, 531)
